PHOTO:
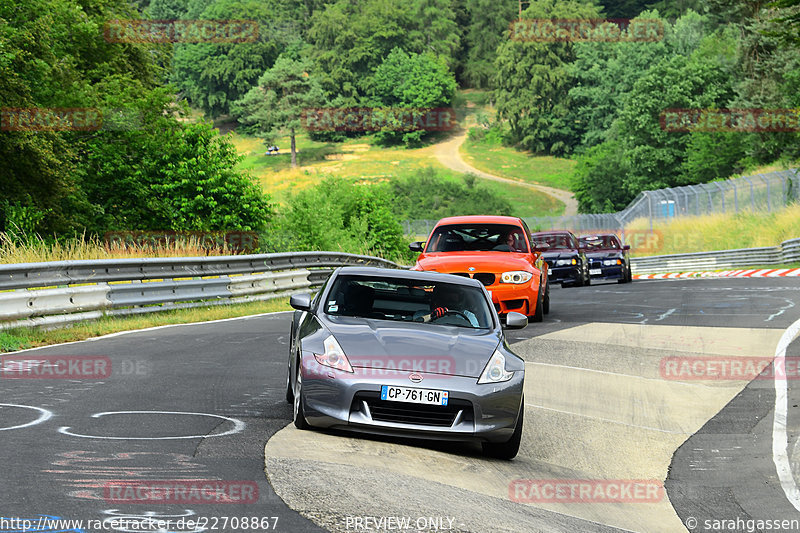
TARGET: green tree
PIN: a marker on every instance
(279, 100)
(604, 74)
(436, 29)
(213, 75)
(52, 55)
(340, 215)
(351, 38)
(533, 80)
(489, 21)
(158, 173)
(415, 81)
(426, 195)
(599, 179)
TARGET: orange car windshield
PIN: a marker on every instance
(478, 238)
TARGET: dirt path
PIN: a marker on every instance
(447, 153)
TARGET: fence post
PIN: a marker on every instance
(722, 194)
(650, 208)
(735, 196)
(769, 199)
(752, 194)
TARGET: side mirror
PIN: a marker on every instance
(516, 320)
(301, 302)
(416, 246)
(626, 246)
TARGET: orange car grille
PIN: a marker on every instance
(487, 278)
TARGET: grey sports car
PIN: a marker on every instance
(405, 353)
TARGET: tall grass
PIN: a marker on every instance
(722, 231)
(36, 249)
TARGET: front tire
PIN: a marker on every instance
(509, 449)
(538, 313)
(299, 414)
(289, 391)
(546, 306)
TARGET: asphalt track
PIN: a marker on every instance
(206, 402)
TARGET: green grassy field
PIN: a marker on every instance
(510, 163)
(361, 161)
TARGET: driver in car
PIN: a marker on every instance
(446, 300)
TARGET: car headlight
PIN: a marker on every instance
(334, 356)
(495, 371)
(564, 262)
(515, 276)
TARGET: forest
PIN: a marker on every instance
(155, 161)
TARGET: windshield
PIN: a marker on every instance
(478, 238)
(555, 241)
(406, 300)
(607, 242)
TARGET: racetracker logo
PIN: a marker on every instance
(55, 367)
(730, 120)
(361, 119)
(721, 368)
(180, 492)
(365, 367)
(586, 491)
(50, 119)
(587, 30)
(181, 31)
(38, 119)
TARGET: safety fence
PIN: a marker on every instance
(62, 292)
(757, 193)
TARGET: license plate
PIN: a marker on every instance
(595, 271)
(412, 395)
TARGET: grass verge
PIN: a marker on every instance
(23, 338)
(722, 231)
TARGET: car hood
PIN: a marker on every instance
(560, 254)
(600, 254)
(481, 261)
(416, 347)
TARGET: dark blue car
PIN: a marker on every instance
(607, 256)
(564, 256)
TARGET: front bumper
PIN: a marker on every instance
(607, 272)
(565, 273)
(341, 400)
(508, 297)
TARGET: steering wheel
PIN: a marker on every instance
(453, 312)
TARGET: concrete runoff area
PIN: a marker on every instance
(597, 407)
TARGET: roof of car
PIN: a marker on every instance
(598, 235)
(480, 219)
(552, 232)
(408, 274)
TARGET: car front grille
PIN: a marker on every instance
(487, 278)
(413, 413)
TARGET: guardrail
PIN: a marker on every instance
(787, 252)
(62, 292)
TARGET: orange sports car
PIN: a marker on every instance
(497, 251)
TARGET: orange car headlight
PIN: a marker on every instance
(516, 277)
